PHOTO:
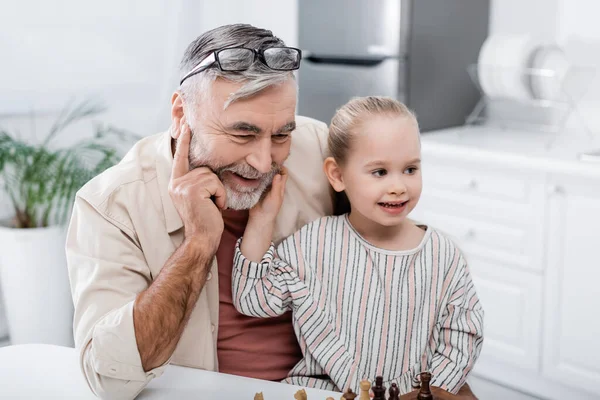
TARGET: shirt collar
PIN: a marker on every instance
(164, 166)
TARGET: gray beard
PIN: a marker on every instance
(238, 197)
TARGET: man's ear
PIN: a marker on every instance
(177, 112)
(334, 174)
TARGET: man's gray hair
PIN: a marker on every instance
(257, 78)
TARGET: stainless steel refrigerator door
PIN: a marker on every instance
(326, 87)
(354, 28)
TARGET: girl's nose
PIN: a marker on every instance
(398, 187)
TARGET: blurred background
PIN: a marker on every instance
(526, 107)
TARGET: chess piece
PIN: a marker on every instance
(349, 395)
(394, 392)
(378, 389)
(365, 386)
(259, 396)
(425, 391)
(301, 395)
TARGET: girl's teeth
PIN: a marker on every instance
(392, 205)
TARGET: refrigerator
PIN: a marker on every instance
(417, 51)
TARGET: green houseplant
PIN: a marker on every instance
(41, 180)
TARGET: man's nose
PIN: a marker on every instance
(260, 157)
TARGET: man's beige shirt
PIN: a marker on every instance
(124, 228)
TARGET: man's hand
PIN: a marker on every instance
(198, 195)
(161, 312)
(268, 207)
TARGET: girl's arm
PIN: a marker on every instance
(265, 288)
(262, 283)
(460, 334)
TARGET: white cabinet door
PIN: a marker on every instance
(511, 300)
(572, 304)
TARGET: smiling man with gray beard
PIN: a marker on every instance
(241, 195)
(151, 240)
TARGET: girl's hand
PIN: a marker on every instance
(268, 207)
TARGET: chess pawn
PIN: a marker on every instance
(301, 395)
(425, 391)
(349, 395)
(394, 392)
(378, 389)
(365, 386)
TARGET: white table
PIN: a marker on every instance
(37, 371)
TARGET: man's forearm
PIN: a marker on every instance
(161, 311)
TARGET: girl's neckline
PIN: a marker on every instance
(371, 246)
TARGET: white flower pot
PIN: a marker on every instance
(35, 285)
(3, 321)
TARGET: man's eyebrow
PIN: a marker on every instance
(245, 127)
(290, 126)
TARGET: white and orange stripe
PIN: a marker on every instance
(360, 311)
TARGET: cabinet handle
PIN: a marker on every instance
(556, 189)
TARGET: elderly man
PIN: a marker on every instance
(151, 240)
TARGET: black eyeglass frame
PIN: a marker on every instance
(213, 59)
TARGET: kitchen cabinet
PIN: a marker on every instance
(512, 301)
(572, 345)
(527, 220)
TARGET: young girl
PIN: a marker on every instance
(372, 294)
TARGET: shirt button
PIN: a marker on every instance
(209, 276)
(212, 327)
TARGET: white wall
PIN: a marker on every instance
(580, 18)
(112, 50)
(537, 17)
(280, 16)
(124, 52)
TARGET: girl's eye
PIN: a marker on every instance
(410, 170)
(379, 172)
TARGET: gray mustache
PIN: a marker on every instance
(250, 172)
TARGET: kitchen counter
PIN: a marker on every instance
(519, 149)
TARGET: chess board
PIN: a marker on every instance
(375, 391)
